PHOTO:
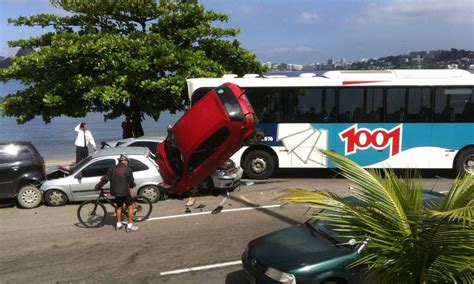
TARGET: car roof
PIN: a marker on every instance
(158, 138)
(204, 118)
(119, 151)
(146, 138)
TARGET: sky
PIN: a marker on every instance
(308, 31)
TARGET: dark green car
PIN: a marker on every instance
(306, 253)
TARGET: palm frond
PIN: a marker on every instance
(408, 243)
(373, 191)
(460, 194)
(465, 215)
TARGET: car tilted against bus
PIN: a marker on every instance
(205, 137)
(387, 118)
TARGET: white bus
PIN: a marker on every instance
(389, 118)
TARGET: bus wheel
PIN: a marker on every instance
(258, 164)
(465, 161)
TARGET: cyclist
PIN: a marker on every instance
(121, 180)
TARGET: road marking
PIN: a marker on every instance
(205, 267)
(444, 192)
(209, 212)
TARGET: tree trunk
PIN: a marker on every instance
(136, 118)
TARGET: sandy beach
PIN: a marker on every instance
(62, 160)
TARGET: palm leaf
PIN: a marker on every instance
(373, 191)
(408, 243)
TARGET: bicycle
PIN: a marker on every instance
(92, 213)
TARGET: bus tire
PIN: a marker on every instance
(465, 161)
(258, 164)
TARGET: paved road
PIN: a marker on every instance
(46, 244)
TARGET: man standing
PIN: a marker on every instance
(84, 137)
(121, 180)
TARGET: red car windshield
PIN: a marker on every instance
(174, 154)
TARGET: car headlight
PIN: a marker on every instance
(280, 276)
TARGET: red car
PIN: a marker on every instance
(205, 137)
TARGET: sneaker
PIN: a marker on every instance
(131, 229)
(118, 228)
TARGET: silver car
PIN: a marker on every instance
(226, 177)
(77, 183)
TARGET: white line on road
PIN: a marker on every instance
(209, 212)
(217, 265)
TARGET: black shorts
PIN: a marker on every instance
(119, 200)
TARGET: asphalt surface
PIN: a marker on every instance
(47, 245)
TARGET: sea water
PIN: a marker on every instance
(55, 140)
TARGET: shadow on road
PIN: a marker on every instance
(236, 277)
(110, 220)
(266, 211)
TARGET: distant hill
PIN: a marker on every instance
(5, 62)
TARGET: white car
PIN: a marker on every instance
(226, 177)
(64, 185)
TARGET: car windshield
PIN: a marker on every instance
(429, 199)
(175, 157)
(80, 164)
(329, 232)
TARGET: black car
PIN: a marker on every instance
(22, 170)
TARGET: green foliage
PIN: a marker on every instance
(407, 242)
(121, 57)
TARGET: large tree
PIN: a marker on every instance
(120, 57)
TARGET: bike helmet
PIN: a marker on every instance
(124, 158)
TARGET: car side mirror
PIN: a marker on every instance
(78, 176)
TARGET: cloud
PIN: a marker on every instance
(308, 18)
(455, 11)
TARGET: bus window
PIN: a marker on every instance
(395, 111)
(268, 103)
(454, 104)
(419, 104)
(311, 105)
(329, 113)
(351, 103)
(304, 104)
(373, 111)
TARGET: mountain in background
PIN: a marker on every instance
(5, 62)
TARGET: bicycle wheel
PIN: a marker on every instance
(91, 214)
(142, 209)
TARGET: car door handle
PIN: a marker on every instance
(15, 168)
